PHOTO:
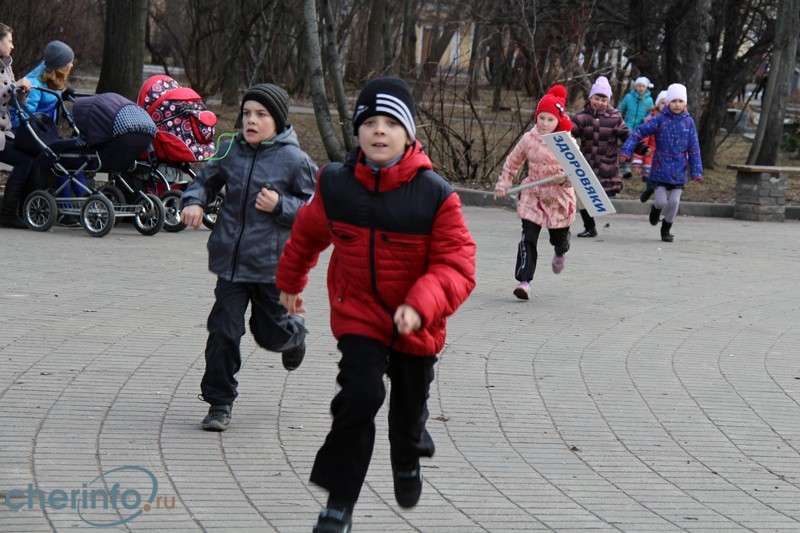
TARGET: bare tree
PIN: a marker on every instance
(335, 70)
(123, 50)
(318, 96)
(764, 150)
(741, 32)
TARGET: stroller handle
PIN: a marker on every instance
(24, 114)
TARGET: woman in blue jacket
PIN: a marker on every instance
(52, 73)
(676, 144)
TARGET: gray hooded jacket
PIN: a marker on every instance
(246, 243)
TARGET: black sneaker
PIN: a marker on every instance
(294, 357)
(589, 232)
(407, 486)
(333, 521)
(218, 418)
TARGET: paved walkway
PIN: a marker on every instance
(650, 387)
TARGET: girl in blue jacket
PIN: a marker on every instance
(676, 144)
(634, 108)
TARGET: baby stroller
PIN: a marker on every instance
(184, 136)
(109, 132)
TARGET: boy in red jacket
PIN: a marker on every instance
(403, 261)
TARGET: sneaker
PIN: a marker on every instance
(293, 358)
(333, 521)
(588, 232)
(523, 290)
(559, 262)
(407, 486)
(218, 418)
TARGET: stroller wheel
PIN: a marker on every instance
(97, 215)
(113, 193)
(212, 209)
(172, 206)
(150, 216)
(40, 211)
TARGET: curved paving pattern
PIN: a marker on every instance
(650, 387)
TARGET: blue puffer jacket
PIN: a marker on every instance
(246, 243)
(38, 101)
(676, 143)
(635, 107)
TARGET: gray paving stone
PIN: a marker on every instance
(649, 387)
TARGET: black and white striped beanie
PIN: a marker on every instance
(388, 96)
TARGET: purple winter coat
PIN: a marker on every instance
(599, 134)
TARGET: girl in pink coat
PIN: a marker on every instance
(551, 205)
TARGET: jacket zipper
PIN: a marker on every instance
(372, 266)
(243, 212)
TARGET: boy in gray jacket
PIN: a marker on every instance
(267, 178)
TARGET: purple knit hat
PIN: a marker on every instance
(602, 87)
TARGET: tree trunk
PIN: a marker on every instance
(764, 150)
(686, 35)
(333, 146)
(335, 71)
(375, 30)
(408, 50)
(123, 48)
(475, 58)
(232, 48)
(497, 68)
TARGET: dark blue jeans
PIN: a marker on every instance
(270, 324)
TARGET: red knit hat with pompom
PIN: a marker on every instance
(555, 103)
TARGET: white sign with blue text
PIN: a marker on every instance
(580, 174)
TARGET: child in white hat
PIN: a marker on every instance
(676, 144)
(635, 107)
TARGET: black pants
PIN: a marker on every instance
(270, 324)
(342, 462)
(527, 254)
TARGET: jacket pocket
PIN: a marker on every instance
(404, 241)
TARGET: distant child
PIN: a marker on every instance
(647, 159)
(267, 178)
(600, 128)
(403, 261)
(551, 205)
(676, 143)
(635, 107)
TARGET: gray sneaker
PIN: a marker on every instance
(218, 418)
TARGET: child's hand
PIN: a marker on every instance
(192, 216)
(698, 178)
(292, 302)
(267, 200)
(561, 179)
(500, 194)
(623, 158)
(407, 319)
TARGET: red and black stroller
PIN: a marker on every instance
(184, 136)
(108, 133)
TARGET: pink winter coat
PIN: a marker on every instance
(549, 205)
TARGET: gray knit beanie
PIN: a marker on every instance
(57, 55)
(275, 99)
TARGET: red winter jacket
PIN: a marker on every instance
(399, 238)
